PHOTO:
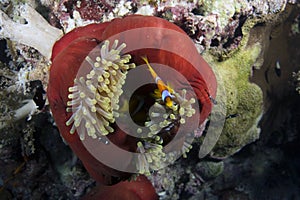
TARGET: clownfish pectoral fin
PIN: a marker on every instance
(157, 94)
(169, 88)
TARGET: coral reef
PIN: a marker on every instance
(239, 39)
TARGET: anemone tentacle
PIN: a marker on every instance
(94, 97)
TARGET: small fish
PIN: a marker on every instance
(214, 101)
(278, 68)
(164, 91)
(232, 116)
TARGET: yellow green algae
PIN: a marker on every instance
(243, 99)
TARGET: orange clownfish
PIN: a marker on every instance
(164, 91)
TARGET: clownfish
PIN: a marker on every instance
(164, 91)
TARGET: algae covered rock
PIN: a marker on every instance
(235, 117)
(241, 100)
(209, 170)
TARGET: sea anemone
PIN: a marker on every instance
(87, 92)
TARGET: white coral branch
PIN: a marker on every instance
(26, 110)
(36, 33)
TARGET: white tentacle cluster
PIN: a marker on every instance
(95, 96)
(151, 157)
(151, 152)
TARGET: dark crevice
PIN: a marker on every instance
(237, 33)
(4, 58)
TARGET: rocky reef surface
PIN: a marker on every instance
(251, 153)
